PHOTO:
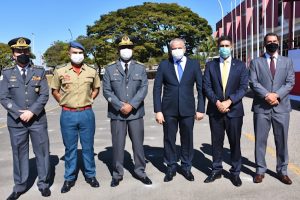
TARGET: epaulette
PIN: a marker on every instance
(138, 62)
(7, 68)
(61, 66)
(111, 63)
(91, 66)
(37, 66)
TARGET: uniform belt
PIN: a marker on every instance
(76, 109)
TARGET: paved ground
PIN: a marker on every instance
(179, 188)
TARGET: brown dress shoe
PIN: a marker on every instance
(258, 178)
(285, 179)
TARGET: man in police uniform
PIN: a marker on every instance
(24, 93)
(125, 87)
(75, 86)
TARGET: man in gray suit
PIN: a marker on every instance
(125, 87)
(24, 94)
(271, 79)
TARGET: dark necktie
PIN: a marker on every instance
(272, 66)
(24, 74)
(126, 68)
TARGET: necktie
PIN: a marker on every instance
(126, 68)
(24, 74)
(225, 73)
(272, 66)
(179, 70)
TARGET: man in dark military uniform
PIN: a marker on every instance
(24, 93)
(75, 86)
(125, 87)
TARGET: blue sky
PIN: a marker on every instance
(47, 21)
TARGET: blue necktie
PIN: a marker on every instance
(179, 69)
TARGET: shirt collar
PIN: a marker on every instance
(183, 59)
(228, 59)
(268, 56)
(123, 63)
(20, 68)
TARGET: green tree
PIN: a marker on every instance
(57, 54)
(152, 25)
(5, 56)
(208, 48)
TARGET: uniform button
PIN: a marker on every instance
(27, 100)
(127, 94)
(127, 87)
(26, 92)
(13, 85)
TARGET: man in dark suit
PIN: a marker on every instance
(125, 86)
(24, 93)
(176, 106)
(272, 78)
(225, 84)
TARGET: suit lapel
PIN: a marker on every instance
(120, 68)
(266, 66)
(279, 64)
(186, 69)
(131, 68)
(172, 70)
(218, 71)
(17, 73)
(230, 75)
(30, 73)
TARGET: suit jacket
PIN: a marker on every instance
(15, 95)
(236, 87)
(178, 97)
(118, 88)
(262, 82)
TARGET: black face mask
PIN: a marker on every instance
(272, 47)
(23, 59)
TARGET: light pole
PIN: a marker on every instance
(222, 11)
(33, 37)
(70, 34)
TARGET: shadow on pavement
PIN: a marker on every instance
(107, 156)
(246, 163)
(54, 160)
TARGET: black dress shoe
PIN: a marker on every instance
(236, 181)
(115, 182)
(213, 177)
(93, 182)
(46, 192)
(188, 175)
(67, 186)
(146, 180)
(14, 195)
(169, 176)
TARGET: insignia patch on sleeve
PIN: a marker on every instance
(9, 105)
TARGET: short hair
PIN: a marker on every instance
(224, 37)
(177, 40)
(270, 34)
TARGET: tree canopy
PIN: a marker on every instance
(5, 56)
(151, 26)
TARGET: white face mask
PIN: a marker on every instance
(177, 54)
(77, 58)
(126, 54)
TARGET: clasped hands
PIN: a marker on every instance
(26, 115)
(126, 108)
(272, 98)
(223, 106)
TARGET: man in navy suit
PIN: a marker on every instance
(176, 107)
(225, 84)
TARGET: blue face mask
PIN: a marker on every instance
(225, 52)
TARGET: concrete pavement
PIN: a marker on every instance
(131, 189)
